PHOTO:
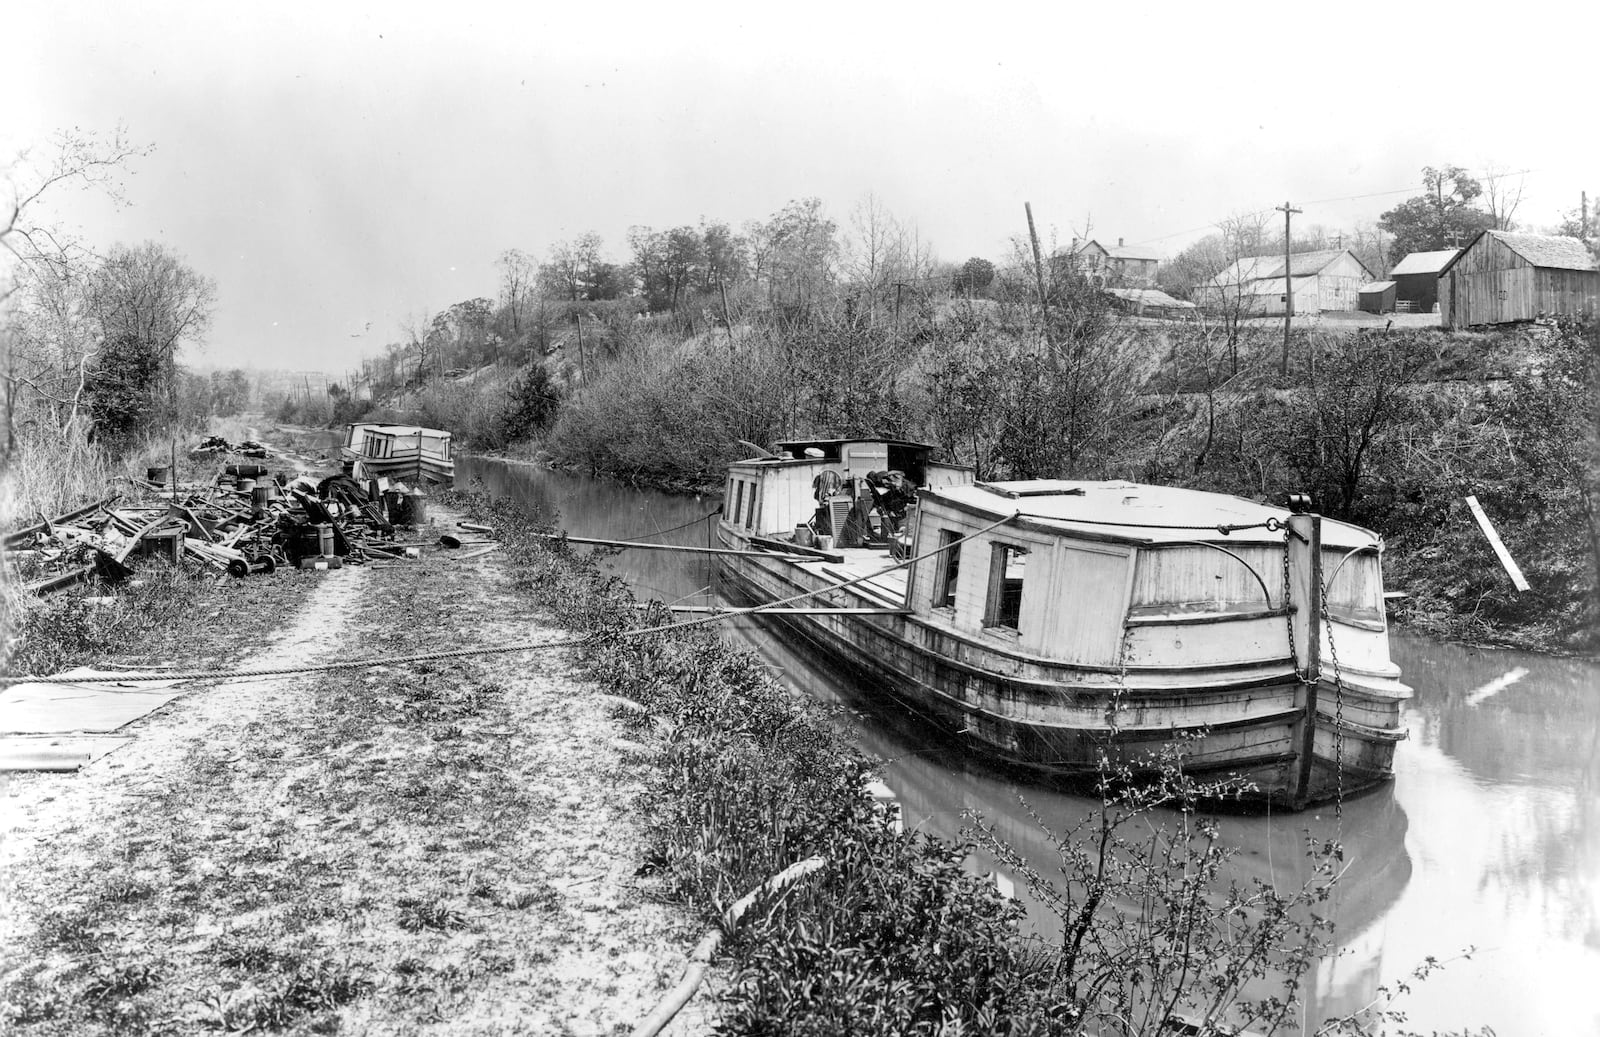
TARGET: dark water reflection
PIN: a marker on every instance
(1489, 836)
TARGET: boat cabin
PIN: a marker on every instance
(408, 452)
(384, 442)
(1102, 573)
(834, 492)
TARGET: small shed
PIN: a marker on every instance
(1417, 279)
(1377, 296)
(1148, 302)
(1502, 277)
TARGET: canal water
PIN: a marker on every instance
(1488, 838)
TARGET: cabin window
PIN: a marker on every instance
(1354, 586)
(1007, 566)
(750, 513)
(944, 589)
(738, 501)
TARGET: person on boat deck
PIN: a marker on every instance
(824, 485)
(892, 494)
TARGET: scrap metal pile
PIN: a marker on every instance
(246, 522)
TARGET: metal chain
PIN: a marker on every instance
(1288, 613)
(1338, 717)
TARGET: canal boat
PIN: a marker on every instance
(1060, 625)
(409, 453)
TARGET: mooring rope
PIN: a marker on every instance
(682, 525)
(1271, 525)
(461, 653)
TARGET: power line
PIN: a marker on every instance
(1314, 201)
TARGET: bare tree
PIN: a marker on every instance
(1502, 195)
(45, 346)
(518, 271)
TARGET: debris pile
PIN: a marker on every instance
(218, 445)
(247, 521)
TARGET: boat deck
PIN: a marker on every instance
(887, 590)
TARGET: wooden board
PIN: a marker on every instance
(81, 705)
(55, 752)
(1512, 569)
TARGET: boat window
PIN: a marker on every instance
(750, 515)
(738, 501)
(1007, 566)
(1355, 587)
(944, 590)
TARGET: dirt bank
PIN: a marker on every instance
(446, 847)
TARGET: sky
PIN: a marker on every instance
(342, 169)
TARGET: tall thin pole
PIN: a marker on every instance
(1288, 282)
(1306, 606)
(1038, 272)
(583, 364)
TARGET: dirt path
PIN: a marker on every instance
(445, 848)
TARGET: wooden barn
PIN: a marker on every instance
(1378, 297)
(1502, 277)
(1416, 279)
(1324, 280)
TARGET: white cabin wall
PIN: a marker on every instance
(1074, 596)
(1197, 579)
(788, 501)
(940, 475)
(1076, 612)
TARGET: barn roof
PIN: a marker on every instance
(1149, 297)
(1375, 286)
(1301, 264)
(1424, 262)
(1541, 250)
(1304, 264)
(1548, 251)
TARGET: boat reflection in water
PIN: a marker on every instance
(1489, 835)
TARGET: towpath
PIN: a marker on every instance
(445, 848)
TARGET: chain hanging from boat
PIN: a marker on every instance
(1338, 721)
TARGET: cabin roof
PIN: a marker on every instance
(787, 443)
(1137, 512)
(405, 430)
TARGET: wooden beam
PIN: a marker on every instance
(1509, 563)
(13, 539)
(636, 545)
(701, 610)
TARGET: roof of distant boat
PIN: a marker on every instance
(404, 430)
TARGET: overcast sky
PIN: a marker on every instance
(335, 166)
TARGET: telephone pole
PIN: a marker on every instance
(1038, 272)
(1288, 281)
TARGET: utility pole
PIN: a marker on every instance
(1288, 282)
(1584, 216)
(1038, 272)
